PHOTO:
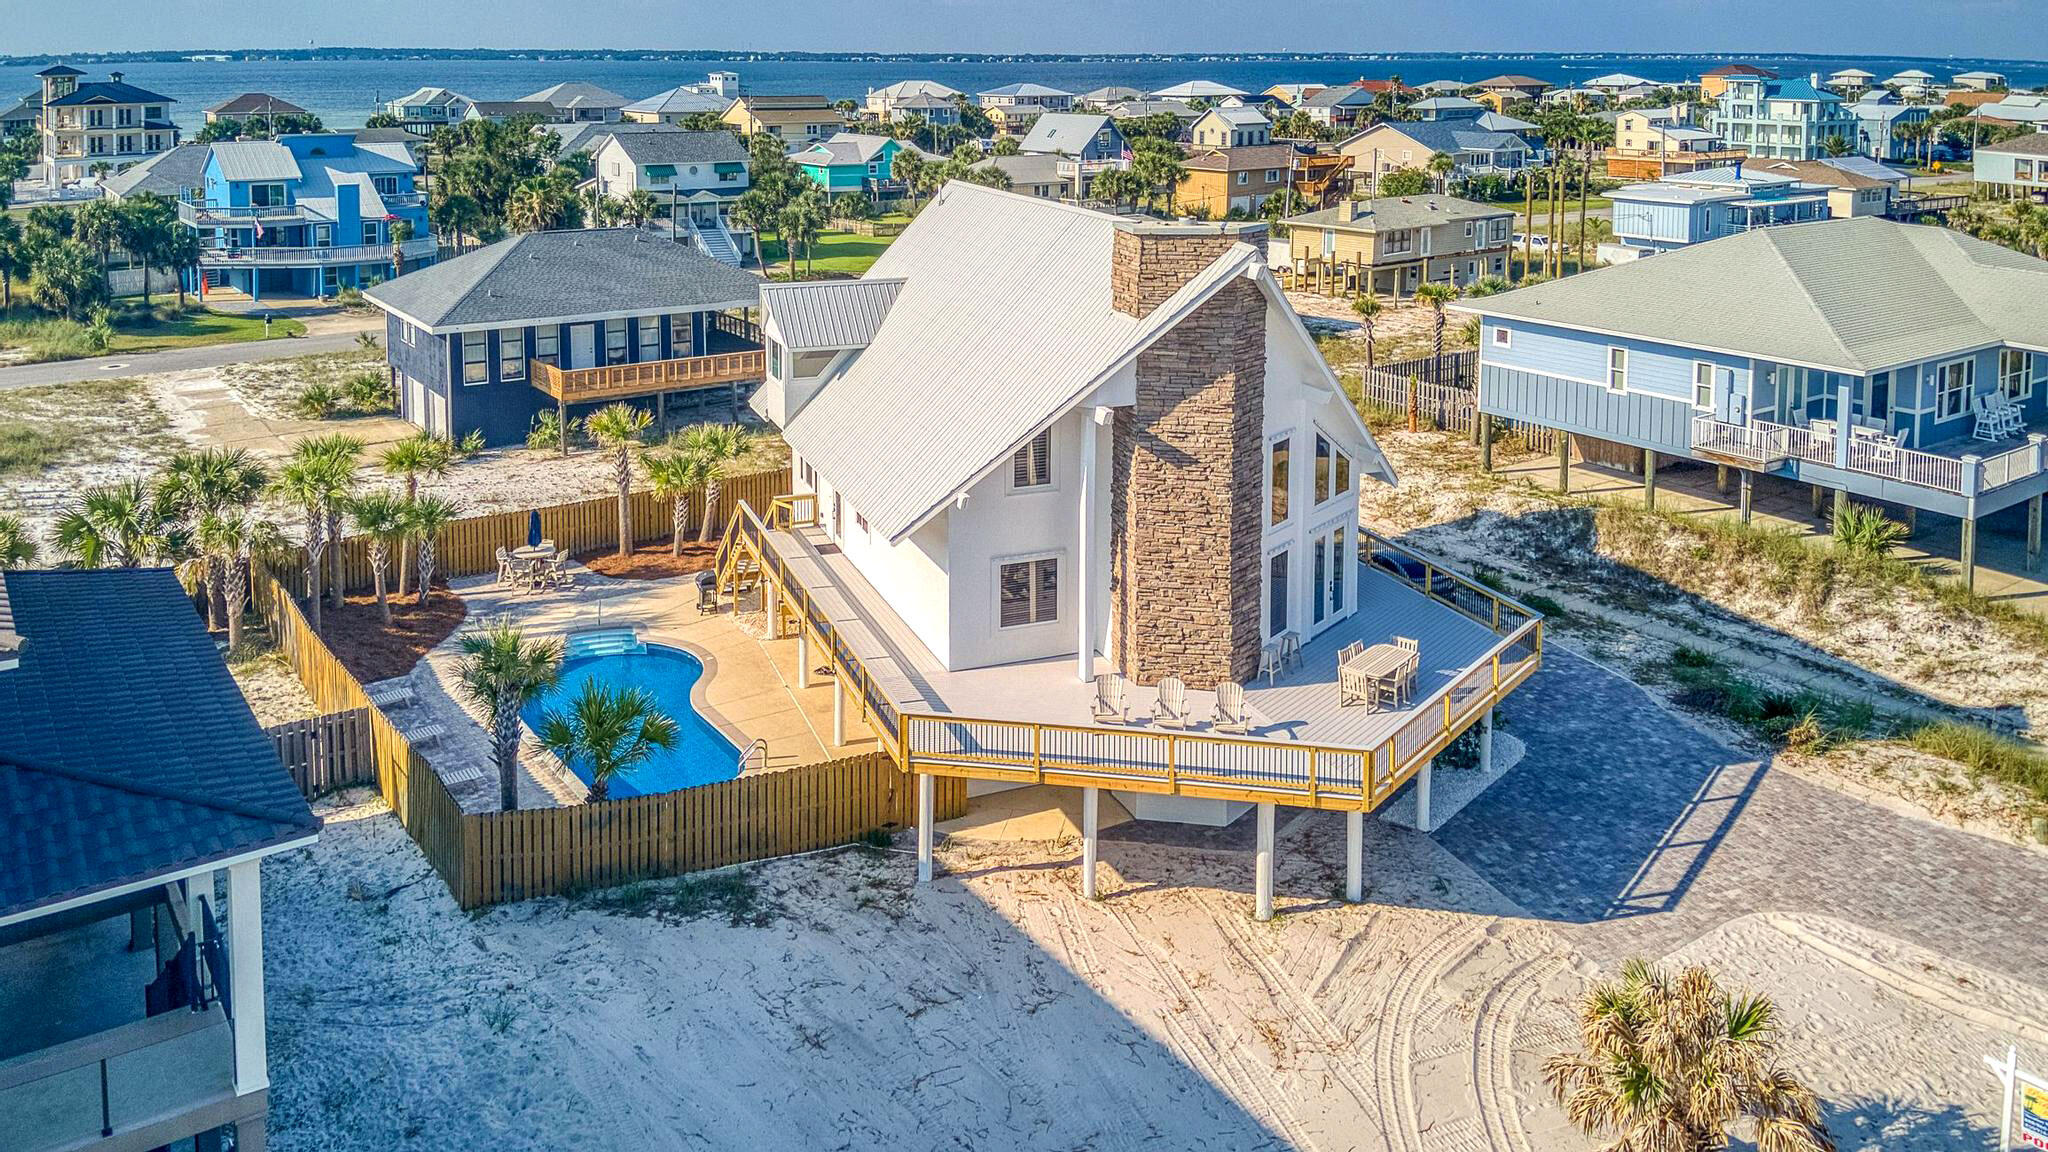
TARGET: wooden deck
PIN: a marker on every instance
(626, 381)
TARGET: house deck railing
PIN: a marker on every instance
(1765, 444)
(622, 381)
(418, 248)
(1241, 768)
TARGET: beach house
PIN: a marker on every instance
(694, 177)
(1878, 116)
(138, 800)
(93, 126)
(1394, 244)
(1781, 119)
(1714, 81)
(1392, 145)
(1889, 362)
(576, 102)
(1652, 143)
(426, 108)
(564, 321)
(1500, 91)
(804, 119)
(674, 106)
(1076, 504)
(904, 97)
(2014, 168)
(1230, 126)
(1692, 207)
(851, 162)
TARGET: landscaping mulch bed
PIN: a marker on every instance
(650, 561)
(371, 651)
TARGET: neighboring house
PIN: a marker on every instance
(1393, 245)
(1200, 90)
(1338, 107)
(1026, 95)
(1619, 85)
(1091, 138)
(1500, 91)
(2014, 168)
(136, 788)
(1448, 108)
(1107, 95)
(487, 340)
(577, 102)
(1852, 190)
(1878, 116)
(1288, 96)
(1693, 207)
(673, 106)
(1714, 81)
(424, 109)
(1233, 126)
(1782, 119)
(261, 107)
(178, 175)
(1911, 82)
(931, 109)
(1217, 181)
(2018, 108)
(1730, 352)
(500, 111)
(1651, 143)
(1391, 145)
(20, 118)
(1170, 494)
(851, 162)
(888, 103)
(88, 124)
(695, 177)
(1850, 81)
(396, 143)
(1045, 177)
(304, 215)
(1576, 97)
(1442, 87)
(1979, 81)
(1143, 109)
(803, 119)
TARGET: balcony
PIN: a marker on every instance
(209, 216)
(262, 256)
(626, 381)
(1961, 468)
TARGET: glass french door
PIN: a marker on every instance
(1328, 555)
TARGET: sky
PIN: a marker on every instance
(2003, 29)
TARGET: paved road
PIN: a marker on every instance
(1637, 833)
(171, 360)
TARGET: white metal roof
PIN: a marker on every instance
(255, 160)
(829, 313)
(1198, 90)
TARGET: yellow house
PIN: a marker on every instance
(805, 118)
(1395, 244)
(1217, 180)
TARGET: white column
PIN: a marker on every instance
(1844, 421)
(1354, 856)
(1091, 813)
(1486, 742)
(1084, 644)
(1262, 891)
(838, 711)
(926, 803)
(1422, 795)
(245, 971)
(803, 657)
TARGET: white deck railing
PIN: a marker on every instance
(1764, 443)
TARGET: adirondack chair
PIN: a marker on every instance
(1171, 709)
(1231, 713)
(1112, 703)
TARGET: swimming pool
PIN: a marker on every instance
(702, 754)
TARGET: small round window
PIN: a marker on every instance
(693, 169)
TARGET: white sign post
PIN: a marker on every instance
(2032, 1094)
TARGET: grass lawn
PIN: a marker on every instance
(836, 254)
(32, 336)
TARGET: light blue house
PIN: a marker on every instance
(1691, 207)
(1758, 351)
(1781, 119)
(1878, 116)
(850, 161)
(304, 215)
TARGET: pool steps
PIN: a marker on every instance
(611, 642)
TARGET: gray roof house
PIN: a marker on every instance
(576, 100)
(537, 321)
(133, 778)
(174, 174)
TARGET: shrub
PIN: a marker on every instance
(367, 341)
(370, 393)
(546, 431)
(1985, 753)
(317, 401)
(472, 445)
(1866, 531)
(350, 299)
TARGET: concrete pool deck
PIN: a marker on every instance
(749, 690)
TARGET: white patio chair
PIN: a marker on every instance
(1986, 424)
(554, 575)
(1410, 668)
(1112, 699)
(1231, 714)
(1171, 708)
(2011, 417)
(1353, 685)
(505, 573)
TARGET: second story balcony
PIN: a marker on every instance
(281, 256)
(243, 215)
(1966, 470)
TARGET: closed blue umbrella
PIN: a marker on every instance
(533, 529)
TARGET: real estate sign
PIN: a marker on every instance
(2033, 1116)
(2030, 1092)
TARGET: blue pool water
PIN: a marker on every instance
(702, 754)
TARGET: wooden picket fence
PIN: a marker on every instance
(1453, 369)
(1440, 406)
(326, 752)
(494, 857)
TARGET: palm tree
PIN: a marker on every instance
(145, 222)
(213, 482)
(722, 447)
(97, 225)
(907, 166)
(17, 544)
(1368, 308)
(13, 258)
(500, 671)
(382, 516)
(401, 231)
(181, 252)
(425, 517)
(1441, 166)
(638, 207)
(1436, 295)
(338, 455)
(617, 429)
(121, 525)
(240, 538)
(421, 454)
(302, 483)
(612, 730)
(1671, 1063)
(676, 473)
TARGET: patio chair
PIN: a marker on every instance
(505, 567)
(1986, 424)
(1231, 713)
(1171, 708)
(554, 575)
(397, 694)
(1353, 685)
(1405, 682)
(2011, 416)
(1112, 699)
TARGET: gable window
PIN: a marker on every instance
(1702, 384)
(1333, 470)
(1278, 475)
(650, 338)
(1027, 592)
(476, 366)
(615, 341)
(1031, 467)
(266, 195)
(1953, 383)
(386, 185)
(2016, 373)
(1617, 369)
(512, 354)
(369, 233)
(547, 345)
(1503, 338)
(408, 333)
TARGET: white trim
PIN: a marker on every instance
(1969, 390)
(536, 321)
(1052, 472)
(101, 895)
(996, 566)
(1711, 368)
(1620, 389)
(1283, 436)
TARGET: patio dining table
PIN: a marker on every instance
(533, 560)
(1379, 664)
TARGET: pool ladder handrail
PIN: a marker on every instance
(758, 744)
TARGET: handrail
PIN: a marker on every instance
(579, 385)
(760, 745)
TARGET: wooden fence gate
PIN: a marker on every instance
(327, 752)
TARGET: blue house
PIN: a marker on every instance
(850, 161)
(1087, 137)
(567, 321)
(1890, 362)
(1690, 207)
(305, 215)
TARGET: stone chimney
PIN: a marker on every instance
(1187, 464)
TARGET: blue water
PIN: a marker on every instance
(341, 91)
(702, 754)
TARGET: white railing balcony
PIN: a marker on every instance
(216, 216)
(1764, 444)
(264, 256)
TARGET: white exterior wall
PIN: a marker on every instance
(912, 576)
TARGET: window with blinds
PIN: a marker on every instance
(1029, 592)
(1031, 467)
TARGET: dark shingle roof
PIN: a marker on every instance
(166, 173)
(715, 147)
(126, 751)
(111, 91)
(564, 275)
(256, 104)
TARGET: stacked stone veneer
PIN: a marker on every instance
(1187, 469)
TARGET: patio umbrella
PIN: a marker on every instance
(533, 529)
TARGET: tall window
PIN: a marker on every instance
(1617, 369)
(547, 344)
(1333, 470)
(1028, 591)
(615, 341)
(2016, 373)
(1337, 570)
(680, 340)
(476, 364)
(1276, 594)
(1278, 476)
(650, 339)
(512, 354)
(1953, 383)
(1031, 467)
(1702, 384)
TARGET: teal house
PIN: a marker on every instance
(850, 161)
